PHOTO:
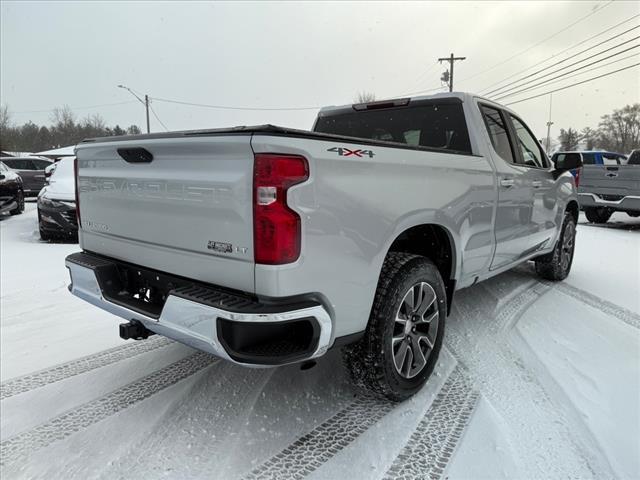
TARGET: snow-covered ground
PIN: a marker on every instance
(537, 380)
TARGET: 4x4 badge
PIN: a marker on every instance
(347, 152)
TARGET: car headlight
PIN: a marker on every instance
(47, 202)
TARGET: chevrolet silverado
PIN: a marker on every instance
(268, 246)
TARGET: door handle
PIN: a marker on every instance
(536, 184)
(507, 182)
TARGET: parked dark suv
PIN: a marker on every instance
(31, 170)
(57, 204)
(11, 193)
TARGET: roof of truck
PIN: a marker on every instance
(460, 97)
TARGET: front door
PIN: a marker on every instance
(513, 224)
(538, 172)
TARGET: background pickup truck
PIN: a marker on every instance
(607, 185)
(266, 245)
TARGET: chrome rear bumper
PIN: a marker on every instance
(629, 202)
(197, 324)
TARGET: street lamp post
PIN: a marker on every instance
(145, 102)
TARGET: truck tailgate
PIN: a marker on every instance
(611, 181)
(188, 211)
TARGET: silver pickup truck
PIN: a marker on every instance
(267, 246)
(608, 187)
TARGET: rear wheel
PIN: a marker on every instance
(598, 214)
(20, 203)
(557, 264)
(403, 339)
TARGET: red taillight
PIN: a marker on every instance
(276, 228)
(77, 188)
(577, 177)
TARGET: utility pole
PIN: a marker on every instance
(145, 102)
(451, 60)
(549, 123)
(146, 105)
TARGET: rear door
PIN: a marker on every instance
(27, 171)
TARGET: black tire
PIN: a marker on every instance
(371, 361)
(20, 201)
(46, 236)
(556, 265)
(598, 214)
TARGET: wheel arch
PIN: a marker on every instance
(436, 243)
(574, 209)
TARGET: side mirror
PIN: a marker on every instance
(568, 161)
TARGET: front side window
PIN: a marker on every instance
(498, 133)
(609, 159)
(41, 164)
(528, 146)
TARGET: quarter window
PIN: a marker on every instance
(498, 133)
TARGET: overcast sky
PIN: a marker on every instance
(305, 54)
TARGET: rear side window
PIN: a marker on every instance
(436, 126)
(20, 164)
(588, 158)
(498, 133)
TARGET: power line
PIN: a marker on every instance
(157, 117)
(574, 84)
(588, 71)
(502, 62)
(422, 76)
(505, 94)
(568, 58)
(226, 107)
(77, 108)
(420, 91)
(582, 42)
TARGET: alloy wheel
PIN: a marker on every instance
(568, 244)
(415, 330)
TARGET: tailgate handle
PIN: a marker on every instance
(135, 155)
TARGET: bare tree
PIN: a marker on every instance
(620, 131)
(365, 97)
(568, 139)
(589, 136)
(5, 117)
(63, 117)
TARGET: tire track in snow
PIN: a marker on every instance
(24, 444)
(81, 365)
(627, 316)
(481, 341)
(432, 444)
(315, 448)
